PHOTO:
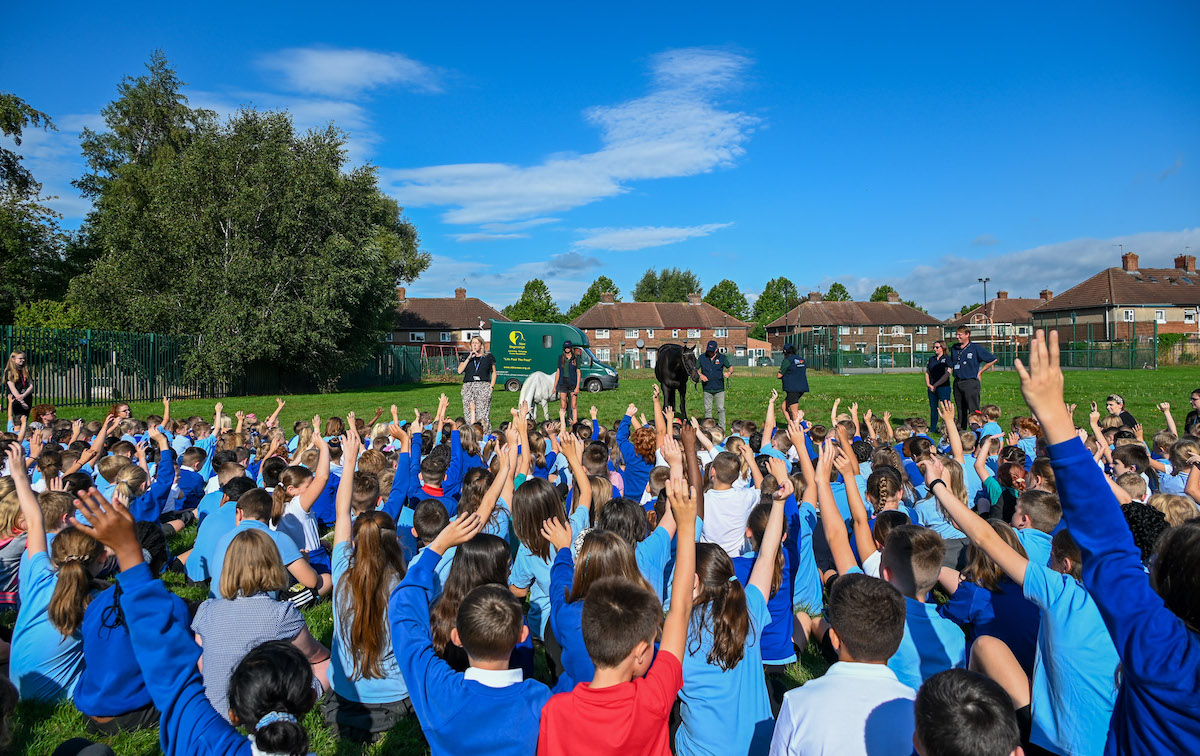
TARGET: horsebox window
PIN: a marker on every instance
(547, 342)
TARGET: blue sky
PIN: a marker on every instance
(870, 143)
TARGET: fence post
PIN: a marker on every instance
(87, 368)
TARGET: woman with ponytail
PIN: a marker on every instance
(369, 693)
(47, 650)
(270, 690)
(725, 707)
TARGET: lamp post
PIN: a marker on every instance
(984, 281)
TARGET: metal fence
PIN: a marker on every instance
(1083, 348)
(85, 367)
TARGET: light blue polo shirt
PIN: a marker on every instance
(1074, 673)
(931, 644)
(219, 522)
(391, 687)
(532, 572)
(652, 555)
(1037, 545)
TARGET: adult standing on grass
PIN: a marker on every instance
(969, 362)
(566, 380)
(18, 384)
(478, 370)
(714, 369)
(937, 381)
(794, 374)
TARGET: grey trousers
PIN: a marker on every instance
(718, 399)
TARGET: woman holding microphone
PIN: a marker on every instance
(478, 370)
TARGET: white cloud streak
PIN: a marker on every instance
(677, 129)
(951, 282)
(478, 237)
(628, 239)
(347, 73)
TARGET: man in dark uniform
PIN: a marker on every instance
(714, 369)
(968, 362)
(794, 374)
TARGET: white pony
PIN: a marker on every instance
(538, 388)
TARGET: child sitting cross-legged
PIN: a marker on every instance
(625, 708)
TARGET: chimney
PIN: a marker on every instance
(606, 297)
(1129, 262)
(893, 297)
(1002, 295)
(694, 299)
(1046, 295)
(460, 293)
(814, 296)
(1186, 263)
(400, 296)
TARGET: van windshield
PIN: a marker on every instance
(587, 358)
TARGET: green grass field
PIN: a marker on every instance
(38, 729)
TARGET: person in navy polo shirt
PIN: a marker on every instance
(968, 361)
(794, 374)
(714, 369)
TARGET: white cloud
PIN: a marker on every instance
(944, 287)
(984, 240)
(677, 129)
(501, 228)
(478, 237)
(345, 73)
(626, 239)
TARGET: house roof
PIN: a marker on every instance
(759, 344)
(825, 313)
(619, 315)
(450, 313)
(1116, 286)
(1008, 310)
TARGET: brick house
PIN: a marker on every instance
(1002, 318)
(616, 328)
(1129, 301)
(858, 326)
(441, 321)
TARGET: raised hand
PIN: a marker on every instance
(932, 468)
(111, 524)
(1042, 384)
(682, 498)
(672, 453)
(631, 410)
(774, 395)
(654, 390)
(946, 412)
(1164, 407)
(557, 533)
(458, 532)
(593, 412)
(16, 462)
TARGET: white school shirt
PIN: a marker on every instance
(213, 484)
(301, 526)
(725, 514)
(852, 709)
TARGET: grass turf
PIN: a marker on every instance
(39, 728)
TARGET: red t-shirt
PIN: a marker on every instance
(628, 719)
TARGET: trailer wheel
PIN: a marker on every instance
(592, 385)
(512, 384)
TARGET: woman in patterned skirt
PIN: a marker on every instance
(478, 370)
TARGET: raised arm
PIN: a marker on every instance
(843, 437)
(769, 423)
(273, 420)
(351, 443)
(972, 525)
(500, 482)
(660, 423)
(1165, 407)
(572, 449)
(683, 504)
(833, 412)
(863, 538)
(887, 424)
(764, 566)
(946, 411)
(166, 421)
(831, 518)
(693, 470)
(321, 474)
(748, 458)
(35, 529)
(509, 450)
(799, 436)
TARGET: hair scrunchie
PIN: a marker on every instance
(273, 717)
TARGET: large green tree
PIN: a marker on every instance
(32, 262)
(881, 293)
(837, 293)
(728, 297)
(535, 304)
(247, 234)
(602, 285)
(667, 285)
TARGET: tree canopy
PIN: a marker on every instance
(837, 293)
(726, 296)
(881, 293)
(535, 304)
(667, 285)
(602, 285)
(245, 233)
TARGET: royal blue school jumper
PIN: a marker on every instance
(457, 715)
(325, 507)
(191, 484)
(637, 470)
(188, 725)
(776, 638)
(149, 506)
(566, 620)
(112, 683)
(1158, 704)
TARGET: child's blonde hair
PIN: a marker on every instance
(10, 508)
(1178, 509)
(252, 565)
(109, 466)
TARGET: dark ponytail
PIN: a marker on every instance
(274, 678)
(723, 597)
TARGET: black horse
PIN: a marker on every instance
(673, 368)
